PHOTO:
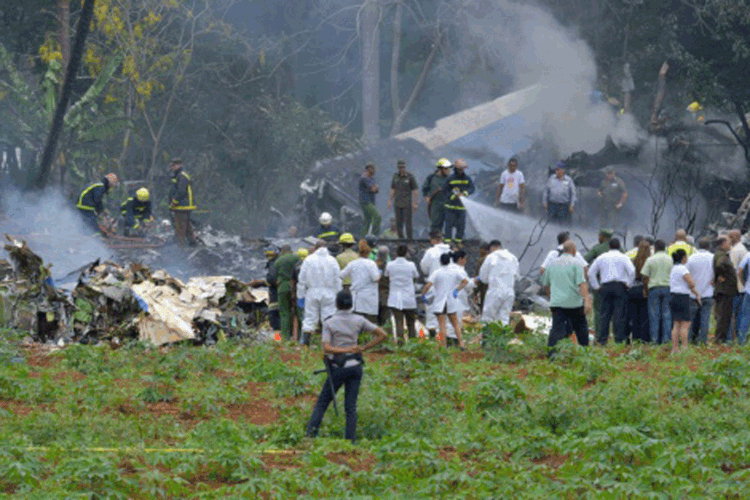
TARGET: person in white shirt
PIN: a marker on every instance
(511, 192)
(429, 264)
(701, 267)
(499, 271)
(459, 258)
(681, 289)
(317, 285)
(447, 281)
(402, 301)
(611, 274)
(555, 254)
(736, 254)
(365, 275)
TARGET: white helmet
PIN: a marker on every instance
(325, 218)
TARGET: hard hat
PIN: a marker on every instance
(142, 194)
(302, 252)
(460, 163)
(325, 218)
(347, 238)
(271, 252)
(112, 179)
(444, 163)
(694, 107)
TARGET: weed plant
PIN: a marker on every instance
(500, 421)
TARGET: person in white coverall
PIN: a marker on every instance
(365, 275)
(317, 285)
(499, 271)
(429, 264)
(447, 282)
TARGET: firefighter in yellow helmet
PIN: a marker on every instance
(91, 201)
(181, 204)
(136, 211)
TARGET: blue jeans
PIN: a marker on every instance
(738, 313)
(743, 319)
(701, 320)
(558, 212)
(659, 315)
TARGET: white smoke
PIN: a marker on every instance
(528, 43)
(52, 228)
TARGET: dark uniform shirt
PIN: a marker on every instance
(402, 186)
(723, 268)
(433, 187)
(612, 192)
(133, 209)
(273, 292)
(457, 182)
(595, 252)
(181, 195)
(92, 198)
(366, 196)
(328, 233)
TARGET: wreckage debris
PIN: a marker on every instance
(111, 302)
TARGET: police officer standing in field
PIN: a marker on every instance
(343, 358)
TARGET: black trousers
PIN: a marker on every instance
(562, 319)
(403, 219)
(613, 299)
(637, 315)
(723, 307)
(350, 378)
(454, 219)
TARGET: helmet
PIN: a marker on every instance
(142, 194)
(461, 163)
(347, 238)
(302, 252)
(694, 107)
(271, 252)
(112, 179)
(444, 163)
(325, 218)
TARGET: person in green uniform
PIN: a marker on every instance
(613, 195)
(284, 272)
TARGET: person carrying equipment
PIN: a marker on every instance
(456, 187)
(91, 201)
(136, 210)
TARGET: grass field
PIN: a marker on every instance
(228, 421)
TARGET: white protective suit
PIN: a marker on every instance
(444, 281)
(499, 271)
(401, 274)
(319, 282)
(364, 274)
(429, 264)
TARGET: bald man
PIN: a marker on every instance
(681, 241)
(569, 296)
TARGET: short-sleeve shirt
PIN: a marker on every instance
(564, 277)
(403, 186)
(658, 268)
(612, 191)
(511, 186)
(677, 283)
(744, 266)
(366, 196)
(343, 328)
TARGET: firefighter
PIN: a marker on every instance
(456, 187)
(135, 210)
(91, 201)
(181, 204)
(327, 231)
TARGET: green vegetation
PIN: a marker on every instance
(228, 421)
